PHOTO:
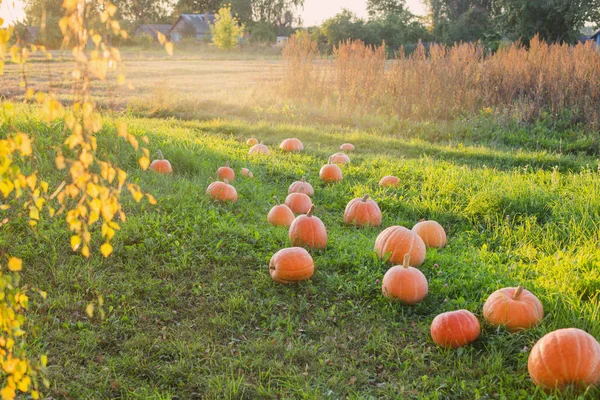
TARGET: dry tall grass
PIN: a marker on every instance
(542, 81)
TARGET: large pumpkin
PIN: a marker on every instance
(565, 357)
(308, 231)
(252, 141)
(226, 173)
(389, 181)
(362, 211)
(161, 165)
(432, 233)
(455, 329)
(330, 173)
(347, 147)
(280, 215)
(514, 308)
(247, 172)
(291, 265)
(258, 149)
(405, 283)
(299, 203)
(395, 242)
(222, 191)
(339, 158)
(302, 186)
(291, 144)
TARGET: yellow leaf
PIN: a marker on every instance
(44, 360)
(29, 93)
(161, 38)
(106, 249)
(151, 199)
(35, 395)
(85, 251)
(169, 48)
(15, 264)
(97, 39)
(121, 80)
(89, 310)
(122, 129)
(8, 393)
(75, 242)
(23, 385)
(144, 162)
(111, 9)
(31, 181)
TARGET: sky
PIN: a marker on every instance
(315, 11)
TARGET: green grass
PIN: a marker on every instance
(193, 313)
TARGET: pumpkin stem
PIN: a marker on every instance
(311, 211)
(329, 162)
(277, 199)
(518, 293)
(160, 155)
(366, 197)
(227, 164)
(303, 179)
(406, 262)
(226, 181)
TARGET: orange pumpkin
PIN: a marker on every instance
(247, 172)
(252, 141)
(389, 181)
(308, 231)
(291, 265)
(395, 242)
(339, 158)
(280, 215)
(161, 165)
(455, 329)
(405, 283)
(299, 203)
(565, 357)
(514, 308)
(431, 232)
(331, 173)
(362, 212)
(222, 191)
(302, 186)
(226, 173)
(347, 147)
(291, 144)
(258, 149)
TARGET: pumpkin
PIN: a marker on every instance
(389, 181)
(161, 165)
(299, 203)
(395, 242)
(362, 211)
(280, 215)
(259, 149)
(247, 172)
(222, 191)
(291, 265)
(226, 173)
(514, 308)
(455, 329)
(331, 173)
(291, 144)
(308, 231)
(347, 147)
(302, 186)
(339, 158)
(565, 357)
(252, 141)
(431, 232)
(405, 283)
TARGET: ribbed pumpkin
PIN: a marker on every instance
(280, 215)
(252, 141)
(161, 165)
(389, 181)
(455, 329)
(362, 211)
(565, 357)
(247, 172)
(432, 233)
(302, 186)
(405, 283)
(222, 191)
(308, 231)
(291, 265)
(258, 149)
(347, 147)
(339, 158)
(330, 173)
(397, 241)
(291, 144)
(226, 173)
(299, 203)
(514, 308)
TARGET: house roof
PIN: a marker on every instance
(200, 22)
(162, 28)
(595, 35)
(33, 31)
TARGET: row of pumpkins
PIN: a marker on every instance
(561, 358)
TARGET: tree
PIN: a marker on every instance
(196, 6)
(45, 14)
(463, 20)
(138, 12)
(226, 31)
(263, 33)
(381, 8)
(281, 13)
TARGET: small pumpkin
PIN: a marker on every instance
(252, 141)
(246, 172)
(222, 191)
(347, 147)
(565, 357)
(395, 242)
(339, 158)
(362, 211)
(389, 181)
(331, 173)
(308, 231)
(299, 203)
(432, 233)
(514, 308)
(291, 144)
(302, 186)
(291, 265)
(280, 215)
(161, 165)
(258, 149)
(226, 173)
(405, 283)
(455, 329)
